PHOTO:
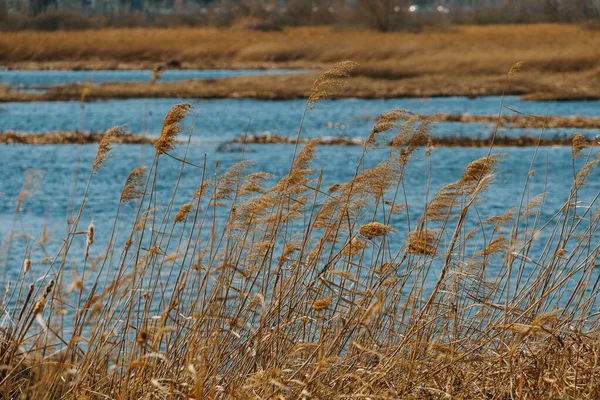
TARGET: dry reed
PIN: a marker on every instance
(261, 289)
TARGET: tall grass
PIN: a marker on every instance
(288, 289)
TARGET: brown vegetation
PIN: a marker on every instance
(297, 86)
(443, 141)
(519, 121)
(560, 61)
(70, 138)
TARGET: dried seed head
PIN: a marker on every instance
(89, 239)
(422, 243)
(515, 68)
(90, 234)
(330, 82)
(374, 229)
(202, 188)
(254, 183)
(477, 169)
(497, 245)
(585, 171)
(227, 184)
(48, 289)
(322, 304)
(183, 213)
(133, 186)
(105, 147)
(579, 143)
(171, 127)
(26, 265)
(39, 306)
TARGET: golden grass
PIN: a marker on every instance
(307, 292)
(559, 60)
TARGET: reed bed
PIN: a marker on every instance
(307, 292)
(561, 60)
(443, 141)
(544, 86)
(463, 51)
(69, 138)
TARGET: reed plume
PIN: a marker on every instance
(579, 143)
(171, 128)
(105, 147)
(330, 82)
(374, 229)
(133, 186)
(183, 213)
(89, 238)
(423, 242)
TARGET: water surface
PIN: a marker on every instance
(49, 78)
(220, 120)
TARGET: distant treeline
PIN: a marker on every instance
(382, 15)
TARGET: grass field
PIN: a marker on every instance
(560, 61)
(305, 291)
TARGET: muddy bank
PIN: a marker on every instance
(68, 138)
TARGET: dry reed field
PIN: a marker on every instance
(306, 291)
(561, 60)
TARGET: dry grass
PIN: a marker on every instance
(559, 60)
(307, 292)
(468, 49)
(69, 138)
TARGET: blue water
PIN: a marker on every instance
(220, 120)
(37, 79)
